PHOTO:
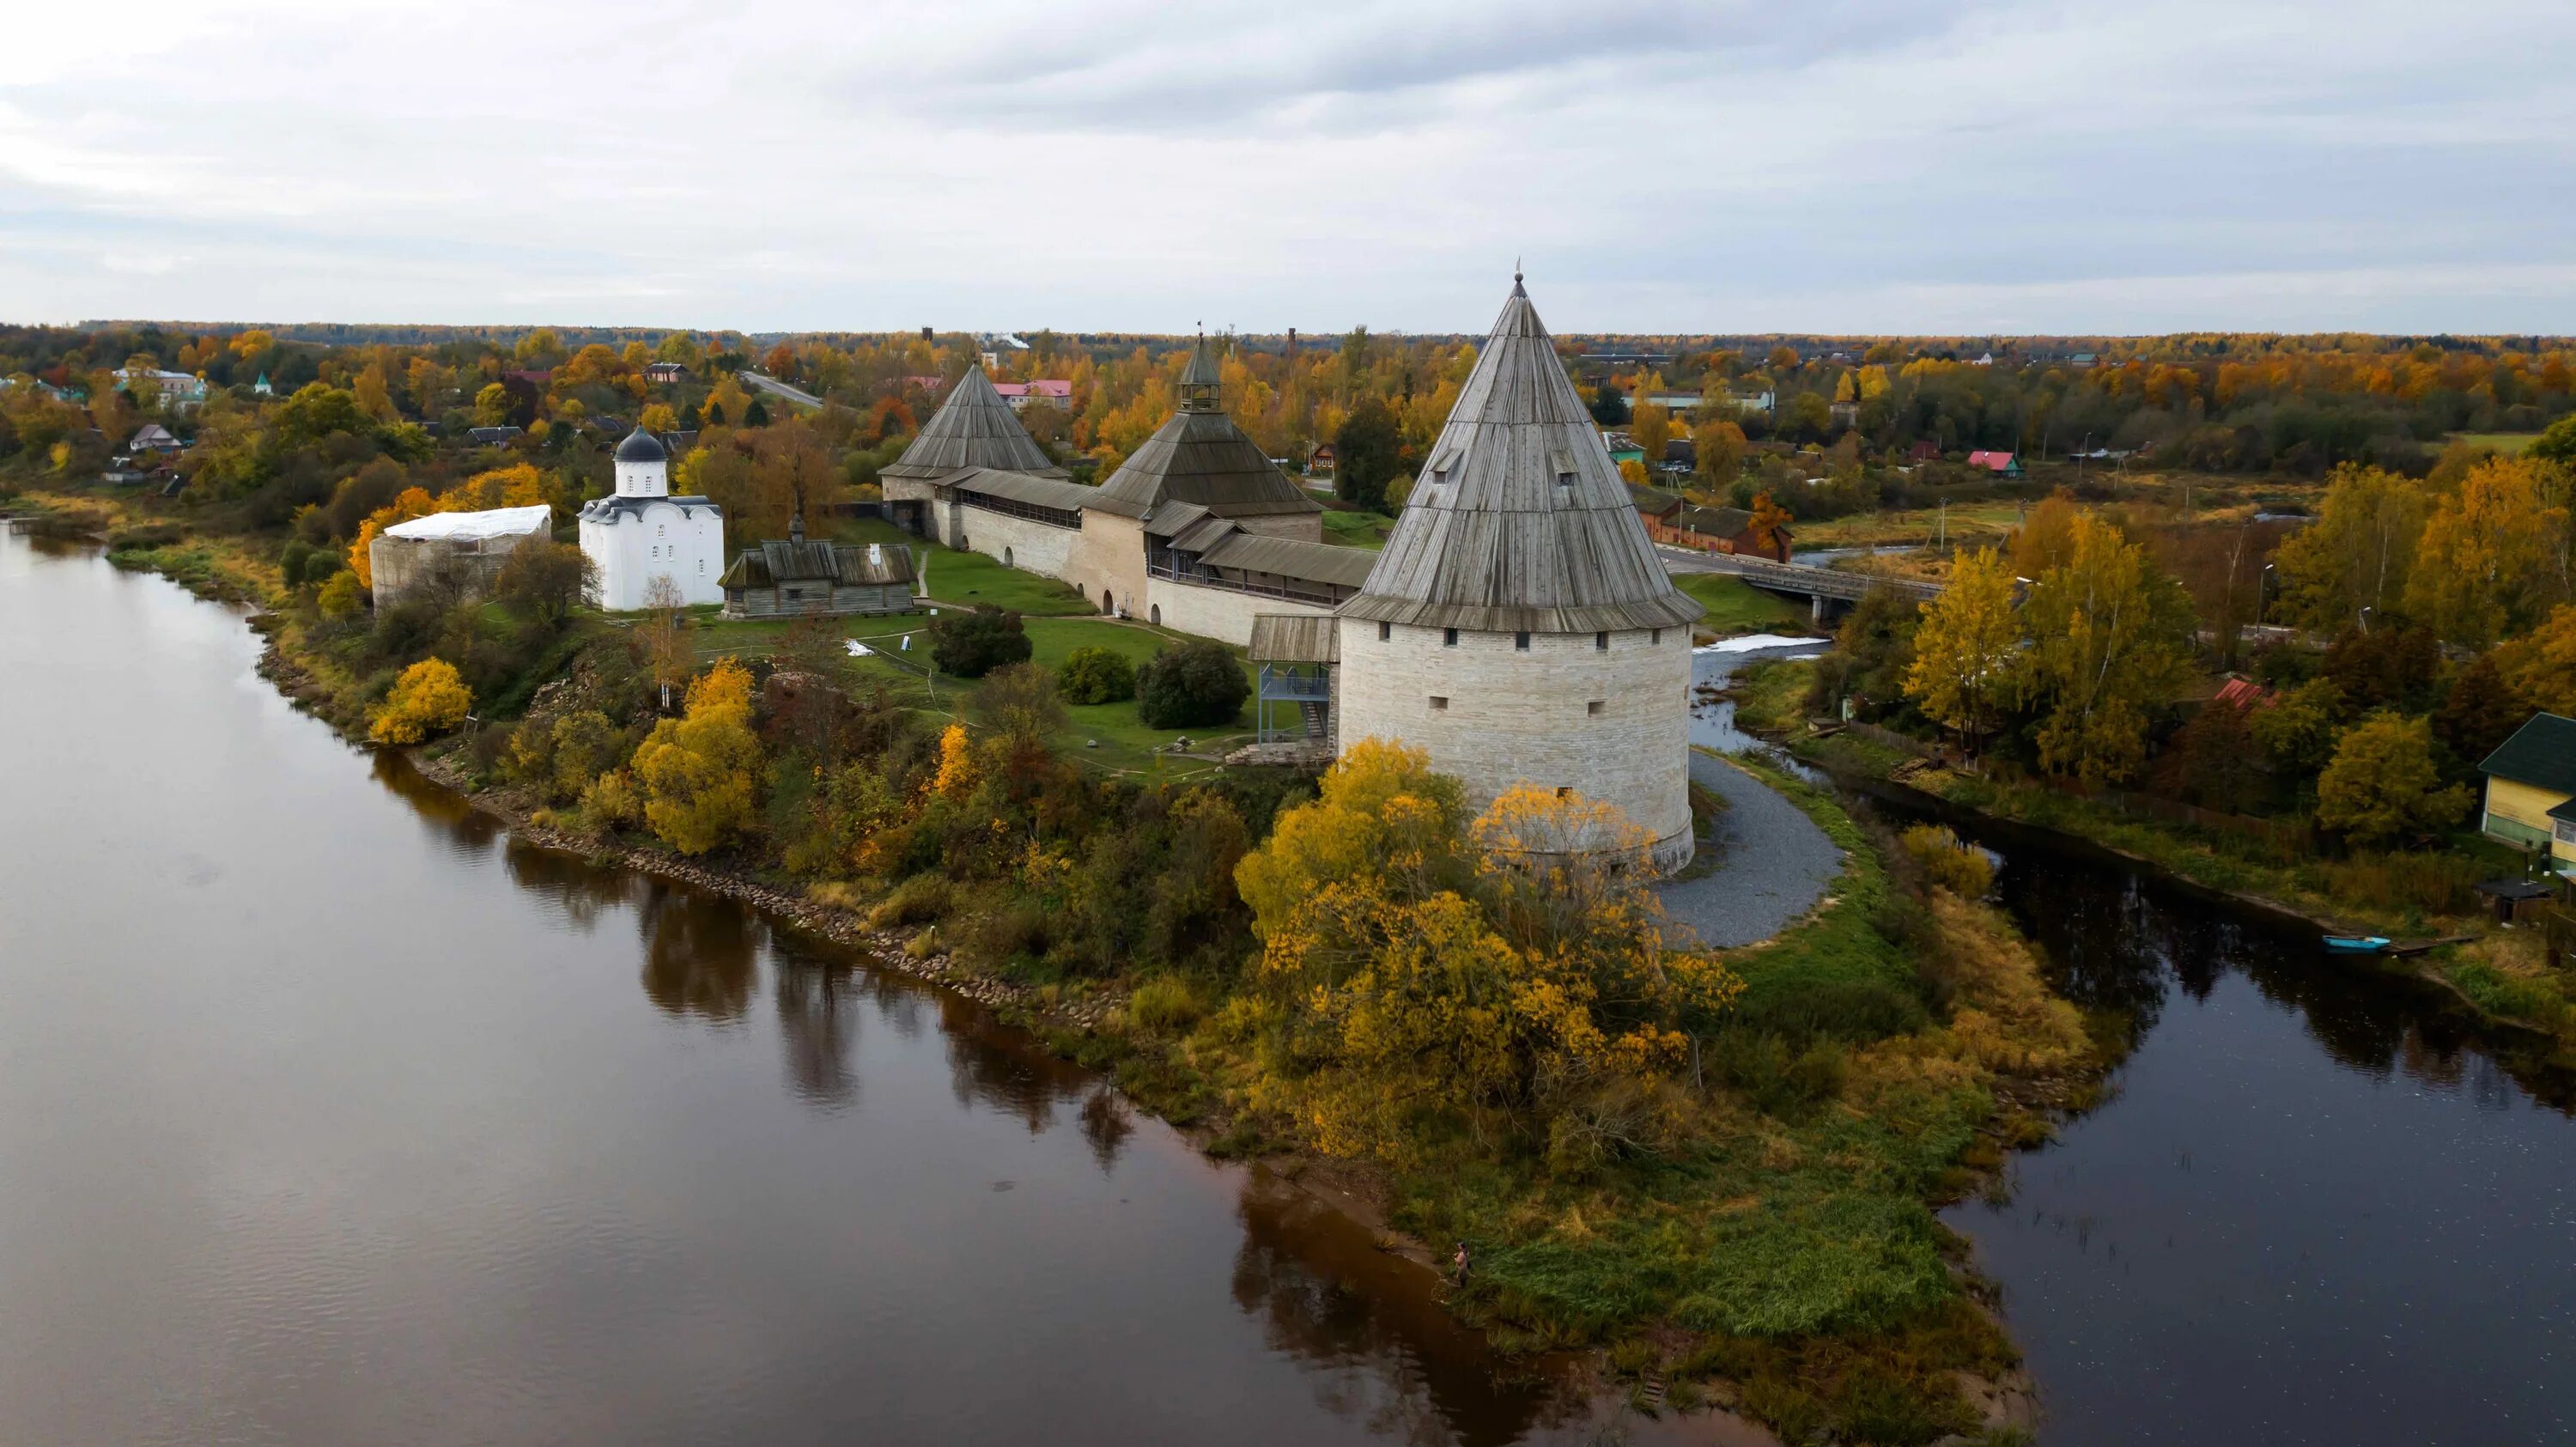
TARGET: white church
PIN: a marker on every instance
(640, 532)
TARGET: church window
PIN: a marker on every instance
(1448, 637)
(1521, 641)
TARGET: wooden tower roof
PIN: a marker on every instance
(975, 427)
(1518, 520)
(1201, 457)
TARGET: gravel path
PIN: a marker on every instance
(1774, 862)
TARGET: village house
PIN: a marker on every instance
(176, 390)
(153, 437)
(664, 374)
(2002, 464)
(1055, 392)
(2531, 790)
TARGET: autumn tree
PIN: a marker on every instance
(1652, 426)
(2046, 536)
(2111, 641)
(2541, 666)
(2483, 708)
(664, 636)
(2382, 784)
(2297, 731)
(1720, 446)
(492, 405)
(699, 772)
(544, 580)
(2487, 560)
(429, 698)
(2358, 554)
(1964, 650)
(1515, 968)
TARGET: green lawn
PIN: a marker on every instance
(1124, 740)
(1357, 529)
(969, 578)
(1736, 606)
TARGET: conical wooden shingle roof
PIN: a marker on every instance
(1201, 457)
(1518, 520)
(975, 427)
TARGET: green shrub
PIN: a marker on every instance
(2502, 994)
(970, 645)
(922, 899)
(1191, 685)
(1096, 675)
(1165, 1006)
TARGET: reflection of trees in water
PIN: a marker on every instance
(899, 1001)
(465, 830)
(2112, 937)
(2099, 938)
(582, 890)
(988, 1066)
(1106, 1125)
(819, 1001)
(698, 951)
(1380, 1350)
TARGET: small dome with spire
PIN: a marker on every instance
(642, 446)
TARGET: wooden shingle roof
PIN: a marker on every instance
(973, 428)
(1201, 457)
(794, 561)
(1519, 520)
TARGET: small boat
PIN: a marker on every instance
(2357, 944)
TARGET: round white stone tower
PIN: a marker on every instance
(1519, 627)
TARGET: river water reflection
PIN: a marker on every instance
(2311, 1211)
(337, 1115)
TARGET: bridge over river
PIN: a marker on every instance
(1820, 586)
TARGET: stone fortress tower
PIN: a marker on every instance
(1518, 626)
(641, 532)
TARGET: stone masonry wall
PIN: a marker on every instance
(1034, 546)
(1611, 725)
(1218, 613)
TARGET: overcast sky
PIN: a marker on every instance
(1808, 165)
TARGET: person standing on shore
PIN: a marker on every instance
(1458, 1259)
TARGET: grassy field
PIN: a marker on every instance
(969, 578)
(2510, 444)
(1122, 738)
(1969, 523)
(1735, 606)
(1358, 529)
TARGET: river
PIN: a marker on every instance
(337, 1115)
(2312, 1208)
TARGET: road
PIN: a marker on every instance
(777, 388)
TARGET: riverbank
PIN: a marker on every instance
(2496, 977)
(1786, 1264)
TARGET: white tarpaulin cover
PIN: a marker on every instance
(500, 522)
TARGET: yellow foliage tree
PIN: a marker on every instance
(1652, 426)
(2485, 562)
(428, 699)
(1963, 653)
(411, 502)
(957, 774)
(2111, 639)
(2045, 538)
(1515, 967)
(2358, 554)
(699, 772)
(2542, 666)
